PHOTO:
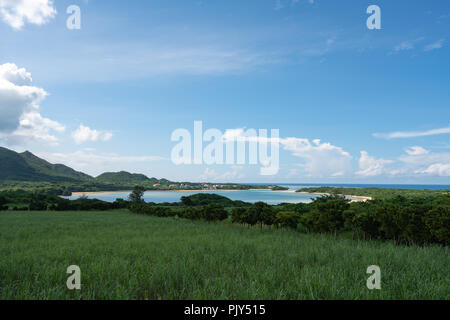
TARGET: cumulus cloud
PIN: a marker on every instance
(20, 106)
(416, 162)
(369, 166)
(85, 134)
(439, 169)
(322, 159)
(18, 12)
(421, 161)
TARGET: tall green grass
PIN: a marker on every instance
(127, 256)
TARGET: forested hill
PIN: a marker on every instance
(125, 177)
(27, 167)
(27, 171)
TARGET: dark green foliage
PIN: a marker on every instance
(202, 199)
(251, 216)
(279, 188)
(42, 202)
(375, 193)
(260, 213)
(125, 178)
(287, 219)
(211, 212)
(437, 221)
(268, 216)
(327, 214)
(38, 202)
(404, 220)
(137, 194)
(3, 203)
(191, 214)
(238, 215)
(152, 210)
(214, 212)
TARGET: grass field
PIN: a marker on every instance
(126, 256)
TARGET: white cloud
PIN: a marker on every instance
(280, 5)
(369, 166)
(89, 161)
(321, 159)
(142, 60)
(33, 125)
(416, 151)
(438, 169)
(85, 134)
(18, 12)
(412, 134)
(405, 45)
(435, 45)
(421, 161)
(233, 174)
(20, 119)
(208, 175)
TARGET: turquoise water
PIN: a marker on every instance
(252, 196)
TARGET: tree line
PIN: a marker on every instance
(409, 221)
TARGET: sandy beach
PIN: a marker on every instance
(355, 198)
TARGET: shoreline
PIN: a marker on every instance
(356, 198)
(353, 198)
(182, 190)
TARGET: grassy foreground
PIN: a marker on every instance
(127, 256)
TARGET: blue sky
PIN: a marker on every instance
(378, 100)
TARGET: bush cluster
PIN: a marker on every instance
(211, 212)
(404, 220)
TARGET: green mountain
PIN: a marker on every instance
(55, 170)
(14, 167)
(27, 167)
(126, 178)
